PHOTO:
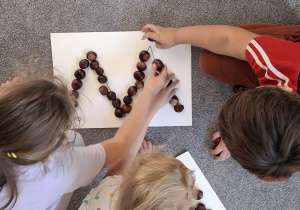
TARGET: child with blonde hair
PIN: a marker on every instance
(152, 180)
(37, 169)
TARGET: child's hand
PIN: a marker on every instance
(156, 87)
(163, 37)
(8, 82)
(220, 149)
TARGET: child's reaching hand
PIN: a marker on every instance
(163, 37)
(220, 149)
(156, 87)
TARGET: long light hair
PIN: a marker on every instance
(159, 182)
(34, 113)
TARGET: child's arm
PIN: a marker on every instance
(154, 96)
(220, 39)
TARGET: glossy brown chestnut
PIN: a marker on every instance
(201, 206)
(111, 95)
(138, 75)
(84, 63)
(103, 90)
(174, 100)
(74, 94)
(94, 65)
(132, 90)
(102, 79)
(119, 113)
(141, 66)
(127, 100)
(116, 103)
(91, 55)
(79, 74)
(216, 142)
(126, 108)
(139, 84)
(159, 64)
(76, 84)
(144, 56)
(75, 103)
(199, 195)
(178, 108)
(99, 71)
(151, 40)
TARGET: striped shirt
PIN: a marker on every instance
(275, 61)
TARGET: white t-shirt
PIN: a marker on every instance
(105, 196)
(41, 185)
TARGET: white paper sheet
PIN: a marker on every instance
(118, 53)
(210, 198)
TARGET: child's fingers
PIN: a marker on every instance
(223, 156)
(216, 135)
(153, 69)
(164, 72)
(149, 144)
(172, 93)
(150, 27)
(217, 150)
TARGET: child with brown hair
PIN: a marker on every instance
(260, 127)
(150, 180)
(37, 169)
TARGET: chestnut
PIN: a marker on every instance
(201, 206)
(132, 90)
(75, 103)
(99, 71)
(178, 108)
(74, 94)
(159, 64)
(139, 84)
(199, 195)
(119, 113)
(126, 108)
(216, 142)
(91, 55)
(76, 84)
(102, 79)
(141, 66)
(151, 40)
(138, 75)
(84, 63)
(79, 74)
(103, 90)
(116, 103)
(111, 95)
(144, 56)
(127, 100)
(94, 64)
(170, 82)
(174, 100)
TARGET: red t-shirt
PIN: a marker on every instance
(275, 61)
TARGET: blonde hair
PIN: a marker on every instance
(34, 113)
(159, 182)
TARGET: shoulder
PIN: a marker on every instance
(105, 195)
(275, 61)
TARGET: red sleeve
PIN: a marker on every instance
(275, 61)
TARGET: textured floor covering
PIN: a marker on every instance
(25, 32)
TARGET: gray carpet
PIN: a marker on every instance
(25, 35)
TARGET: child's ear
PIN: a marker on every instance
(46, 159)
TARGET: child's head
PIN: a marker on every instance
(34, 115)
(261, 129)
(158, 181)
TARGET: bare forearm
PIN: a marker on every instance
(220, 39)
(132, 130)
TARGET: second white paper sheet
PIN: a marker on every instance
(118, 53)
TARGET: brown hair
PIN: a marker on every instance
(34, 115)
(261, 129)
(157, 181)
